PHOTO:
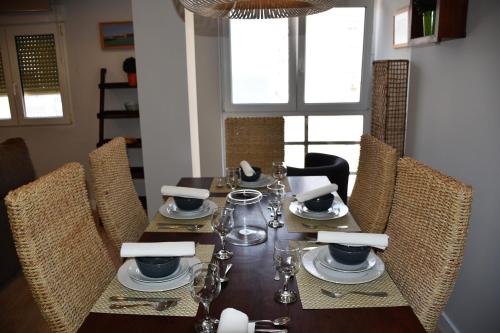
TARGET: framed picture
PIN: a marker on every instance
(116, 35)
(401, 28)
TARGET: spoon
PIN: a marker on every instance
(160, 306)
(224, 278)
(281, 321)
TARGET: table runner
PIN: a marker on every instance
(311, 297)
(154, 224)
(185, 308)
(225, 189)
(294, 223)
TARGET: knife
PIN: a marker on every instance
(142, 299)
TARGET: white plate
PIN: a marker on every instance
(136, 275)
(124, 278)
(314, 268)
(171, 210)
(326, 260)
(263, 181)
(337, 210)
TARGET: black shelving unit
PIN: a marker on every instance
(132, 143)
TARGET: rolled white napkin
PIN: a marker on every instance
(317, 192)
(159, 249)
(185, 192)
(247, 168)
(380, 241)
(234, 321)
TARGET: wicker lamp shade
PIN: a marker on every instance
(256, 9)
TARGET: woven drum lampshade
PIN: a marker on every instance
(256, 9)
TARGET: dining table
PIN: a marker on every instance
(252, 286)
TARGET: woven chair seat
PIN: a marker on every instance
(427, 229)
(118, 205)
(63, 258)
(371, 197)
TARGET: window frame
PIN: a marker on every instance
(297, 105)
(12, 75)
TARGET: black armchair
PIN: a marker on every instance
(334, 167)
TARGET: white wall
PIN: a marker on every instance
(384, 11)
(454, 126)
(160, 46)
(51, 146)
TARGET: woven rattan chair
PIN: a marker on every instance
(260, 141)
(427, 229)
(371, 197)
(63, 258)
(118, 205)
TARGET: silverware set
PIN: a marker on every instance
(158, 303)
(190, 227)
(322, 226)
(334, 294)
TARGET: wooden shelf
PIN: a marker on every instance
(451, 19)
(137, 172)
(131, 143)
(115, 85)
(118, 114)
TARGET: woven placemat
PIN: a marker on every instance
(225, 189)
(185, 308)
(296, 223)
(312, 298)
(154, 225)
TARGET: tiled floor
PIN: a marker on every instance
(18, 311)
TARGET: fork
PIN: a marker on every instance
(334, 294)
(310, 226)
(190, 227)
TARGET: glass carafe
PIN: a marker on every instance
(250, 226)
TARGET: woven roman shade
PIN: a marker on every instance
(3, 86)
(37, 59)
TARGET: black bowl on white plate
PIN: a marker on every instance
(320, 204)
(252, 178)
(157, 267)
(349, 254)
(188, 203)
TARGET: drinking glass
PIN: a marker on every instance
(233, 178)
(223, 223)
(204, 285)
(287, 261)
(279, 171)
(276, 195)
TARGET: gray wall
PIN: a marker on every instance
(51, 146)
(454, 126)
(160, 47)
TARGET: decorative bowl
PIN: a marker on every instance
(252, 178)
(188, 203)
(157, 267)
(320, 204)
(349, 254)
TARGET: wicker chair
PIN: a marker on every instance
(260, 141)
(63, 258)
(427, 229)
(118, 205)
(371, 198)
(334, 167)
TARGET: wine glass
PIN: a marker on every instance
(276, 195)
(223, 223)
(287, 261)
(233, 178)
(204, 285)
(279, 171)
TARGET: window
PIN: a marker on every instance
(313, 70)
(33, 79)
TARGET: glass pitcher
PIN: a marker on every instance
(250, 226)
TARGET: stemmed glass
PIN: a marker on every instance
(276, 195)
(287, 261)
(279, 171)
(223, 223)
(204, 285)
(233, 178)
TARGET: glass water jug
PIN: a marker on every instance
(250, 226)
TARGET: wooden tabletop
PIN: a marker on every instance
(251, 290)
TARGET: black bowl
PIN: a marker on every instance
(188, 203)
(349, 255)
(253, 178)
(320, 204)
(157, 267)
